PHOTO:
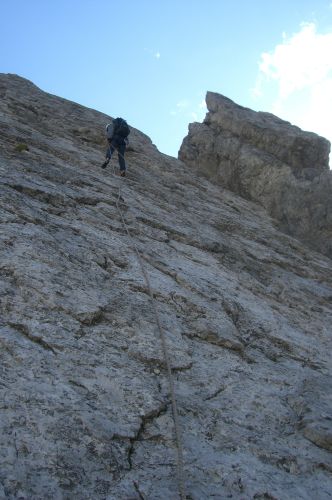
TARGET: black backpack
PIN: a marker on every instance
(121, 128)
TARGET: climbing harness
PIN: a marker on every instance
(180, 462)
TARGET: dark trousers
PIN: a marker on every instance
(120, 146)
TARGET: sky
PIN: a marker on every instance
(152, 61)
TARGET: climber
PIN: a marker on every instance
(117, 135)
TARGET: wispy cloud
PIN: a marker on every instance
(190, 109)
(299, 71)
(184, 103)
(154, 53)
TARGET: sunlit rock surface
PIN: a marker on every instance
(85, 409)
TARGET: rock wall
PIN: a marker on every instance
(85, 406)
(267, 160)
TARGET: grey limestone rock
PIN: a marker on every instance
(85, 410)
(313, 405)
(265, 159)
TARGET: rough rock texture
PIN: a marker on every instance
(84, 398)
(270, 161)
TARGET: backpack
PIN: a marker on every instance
(121, 128)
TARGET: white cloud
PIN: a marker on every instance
(301, 61)
(157, 55)
(299, 73)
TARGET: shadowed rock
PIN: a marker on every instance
(267, 160)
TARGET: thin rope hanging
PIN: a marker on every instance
(178, 437)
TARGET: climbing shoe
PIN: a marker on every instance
(123, 173)
(104, 165)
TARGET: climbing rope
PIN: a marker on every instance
(180, 462)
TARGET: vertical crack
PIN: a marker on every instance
(140, 494)
(146, 419)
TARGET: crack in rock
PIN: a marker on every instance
(37, 339)
(145, 420)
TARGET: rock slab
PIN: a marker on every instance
(84, 397)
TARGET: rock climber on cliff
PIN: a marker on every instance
(117, 135)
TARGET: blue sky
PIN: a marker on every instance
(153, 61)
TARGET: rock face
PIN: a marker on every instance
(84, 395)
(266, 159)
